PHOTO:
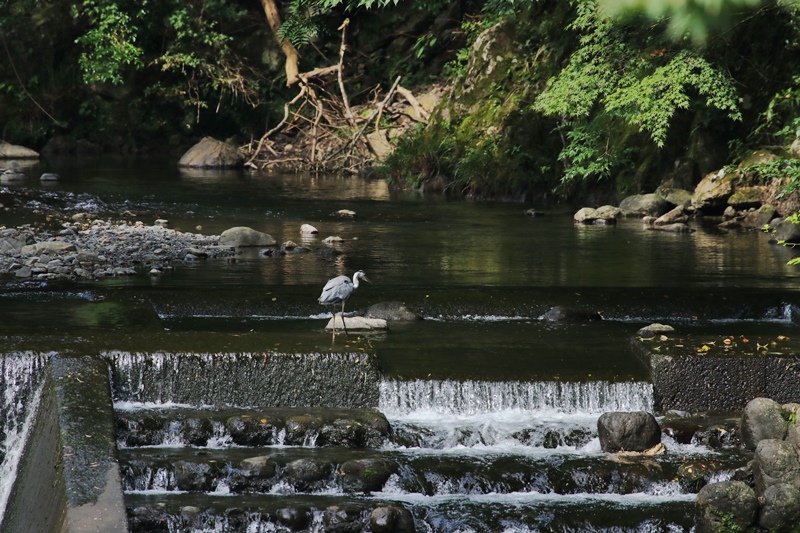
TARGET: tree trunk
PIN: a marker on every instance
(292, 57)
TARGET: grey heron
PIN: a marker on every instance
(338, 290)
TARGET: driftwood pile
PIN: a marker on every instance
(321, 131)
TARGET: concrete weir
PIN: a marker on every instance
(720, 373)
(67, 478)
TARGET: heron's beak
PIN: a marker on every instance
(365, 278)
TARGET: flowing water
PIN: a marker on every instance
(494, 409)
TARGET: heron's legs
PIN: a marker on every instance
(344, 324)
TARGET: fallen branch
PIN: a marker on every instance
(422, 115)
(279, 126)
(342, 48)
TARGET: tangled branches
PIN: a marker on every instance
(321, 131)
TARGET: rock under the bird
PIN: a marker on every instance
(358, 323)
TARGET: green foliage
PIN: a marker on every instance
(303, 21)
(588, 153)
(785, 170)
(430, 159)
(109, 43)
(697, 19)
(621, 76)
(781, 119)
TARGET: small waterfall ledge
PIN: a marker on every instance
(476, 397)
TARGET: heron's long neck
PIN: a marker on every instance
(355, 281)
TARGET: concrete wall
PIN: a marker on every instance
(699, 382)
(68, 478)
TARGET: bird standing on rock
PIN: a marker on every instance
(338, 290)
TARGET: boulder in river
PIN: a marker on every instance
(366, 475)
(781, 508)
(606, 214)
(762, 418)
(628, 431)
(211, 153)
(775, 462)
(392, 311)
(391, 519)
(240, 236)
(14, 151)
(725, 506)
(712, 193)
(644, 204)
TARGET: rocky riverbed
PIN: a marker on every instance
(86, 245)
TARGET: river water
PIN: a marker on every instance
(475, 389)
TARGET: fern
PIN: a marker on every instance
(618, 76)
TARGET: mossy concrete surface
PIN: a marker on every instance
(68, 478)
(719, 373)
(267, 379)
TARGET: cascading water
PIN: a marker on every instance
(473, 397)
(21, 381)
(470, 456)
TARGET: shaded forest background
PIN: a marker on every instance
(543, 99)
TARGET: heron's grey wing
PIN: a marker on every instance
(336, 290)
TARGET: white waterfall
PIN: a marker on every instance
(476, 397)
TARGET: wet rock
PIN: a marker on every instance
(350, 433)
(391, 311)
(391, 519)
(677, 227)
(194, 477)
(695, 475)
(244, 236)
(307, 474)
(366, 475)
(585, 215)
(343, 519)
(49, 176)
(566, 314)
(196, 431)
(746, 197)
(712, 193)
(302, 430)
(48, 247)
(674, 216)
(628, 431)
(328, 252)
(717, 437)
(655, 329)
(775, 462)
(644, 204)
(725, 506)
(10, 176)
(357, 323)
(786, 231)
(15, 151)
(780, 511)
(253, 431)
(792, 412)
(762, 418)
(308, 229)
(255, 474)
(24, 272)
(607, 214)
(677, 197)
(295, 518)
(760, 217)
(211, 153)
(332, 239)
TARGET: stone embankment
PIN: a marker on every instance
(90, 249)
